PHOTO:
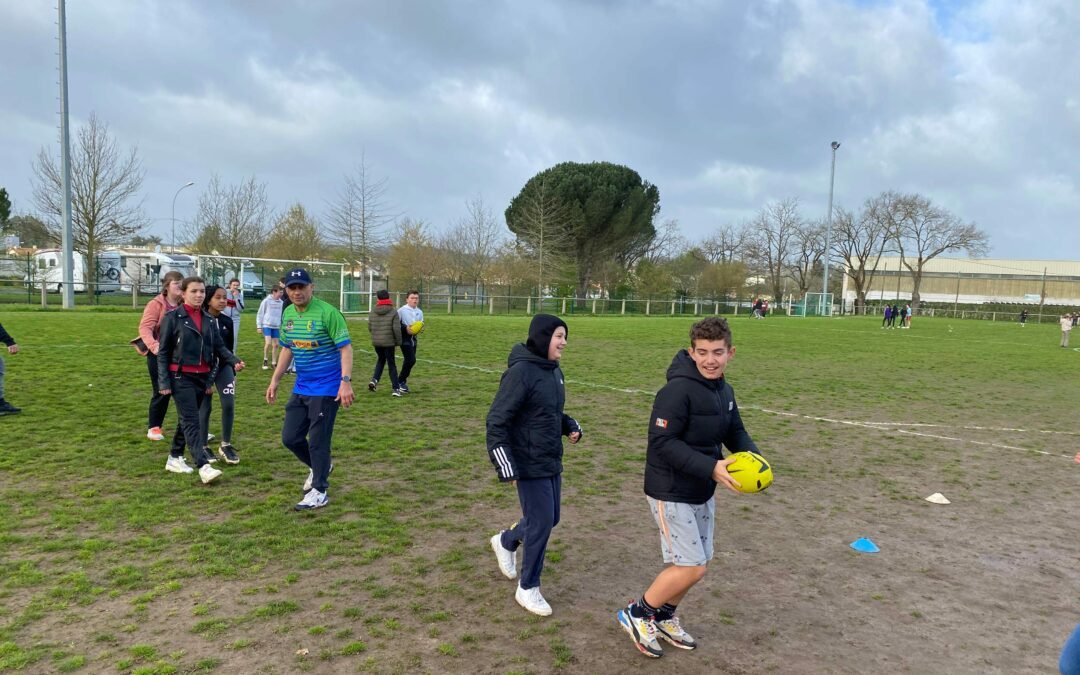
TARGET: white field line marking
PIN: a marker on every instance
(868, 425)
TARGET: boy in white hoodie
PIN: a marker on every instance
(268, 322)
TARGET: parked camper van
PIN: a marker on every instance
(145, 268)
(48, 270)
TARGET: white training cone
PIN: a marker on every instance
(938, 498)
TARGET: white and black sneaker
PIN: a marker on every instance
(372, 386)
(313, 500)
(311, 478)
(403, 388)
(398, 393)
(228, 453)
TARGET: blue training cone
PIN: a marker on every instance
(864, 545)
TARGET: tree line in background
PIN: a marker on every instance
(580, 230)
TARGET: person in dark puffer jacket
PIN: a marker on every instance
(384, 324)
(525, 426)
(692, 416)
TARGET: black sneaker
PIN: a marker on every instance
(209, 455)
(8, 409)
(371, 385)
(228, 453)
(403, 388)
(397, 393)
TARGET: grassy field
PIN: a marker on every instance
(110, 564)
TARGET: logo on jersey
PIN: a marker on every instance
(305, 344)
(662, 423)
(288, 325)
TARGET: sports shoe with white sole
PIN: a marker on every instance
(313, 500)
(228, 453)
(670, 630)
(641, 631)
(208, 473)
(177, 465)
(397, 393)
(311, 478)
(373, 385)
(154, 434)
(532, 601)
(505, 557)
(208, 454)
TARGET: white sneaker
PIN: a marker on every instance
(313, 500)
(504, 556)
(177, 465)
(532, 601)
(311, 478)
(208, 473)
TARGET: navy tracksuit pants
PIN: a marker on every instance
(539, 499)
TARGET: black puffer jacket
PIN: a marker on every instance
(691, 417)
(185, 345)
(526, 423)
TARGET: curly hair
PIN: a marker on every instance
(711, 328)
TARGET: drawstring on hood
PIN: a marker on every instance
(540, 331)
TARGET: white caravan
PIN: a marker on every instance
(48, 270)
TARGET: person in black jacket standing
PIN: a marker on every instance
(693, 414)
(12, 348)
(190, 351)
(525, 426)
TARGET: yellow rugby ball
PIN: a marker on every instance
(416, 327)
(751, 471)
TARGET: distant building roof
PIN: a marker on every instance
(996, 266)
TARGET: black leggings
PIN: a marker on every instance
(225, 383)
(159, 403)
(189, 390)
(386, 357)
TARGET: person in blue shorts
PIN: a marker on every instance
(268, 323)
(314, 336)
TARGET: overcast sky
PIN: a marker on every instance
(724, 105)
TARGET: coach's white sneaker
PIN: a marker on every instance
(504, 556)
(532, 601)
(313, 500)
(311, 478)
(208, 473)
(177, 465)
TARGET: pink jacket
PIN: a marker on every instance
(150, 324)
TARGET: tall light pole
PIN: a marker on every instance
(828, 225)
(172, 244)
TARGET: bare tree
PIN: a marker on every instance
(921, 231)
(295, 235)
(859, 242)
(357, 220)
(472, 242)
(667, 244)
(725, 245)
(543, 230)
(413, 255)
(770, 237)
(807, 250)
(105, 182)
(231, 220)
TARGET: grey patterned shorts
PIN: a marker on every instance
(686, 531)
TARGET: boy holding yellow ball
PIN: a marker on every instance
(692, 415)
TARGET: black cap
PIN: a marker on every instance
(298, 276)
(540, 331)
(383, 294)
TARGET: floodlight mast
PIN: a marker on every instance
(828, 229)
(67, 243)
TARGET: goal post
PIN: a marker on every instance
(815, 304)
(258, 275)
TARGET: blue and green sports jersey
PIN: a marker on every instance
(315, 337)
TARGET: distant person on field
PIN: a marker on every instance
(1023, 318)
(268, 323)
(384, 324)
(525, 426)
(12, 348)
(191, 352)
(224, 382)
(234, 296)
(888, 315)
(409, 314)
(894, 315)
(147, 344)
(315, 335)
(907, 315)
(693, 414)
(1066, 327)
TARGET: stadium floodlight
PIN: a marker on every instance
(828, 223)
(172, 242)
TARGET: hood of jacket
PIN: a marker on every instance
(683, 366)
(521, 353)
(383, 310)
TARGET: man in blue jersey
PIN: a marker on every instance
(314, 336)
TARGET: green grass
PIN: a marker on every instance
(112, 555)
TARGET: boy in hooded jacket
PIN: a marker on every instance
(384, 324)
(692, 415)
(525, 426)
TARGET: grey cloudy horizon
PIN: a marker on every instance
(724, 106)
